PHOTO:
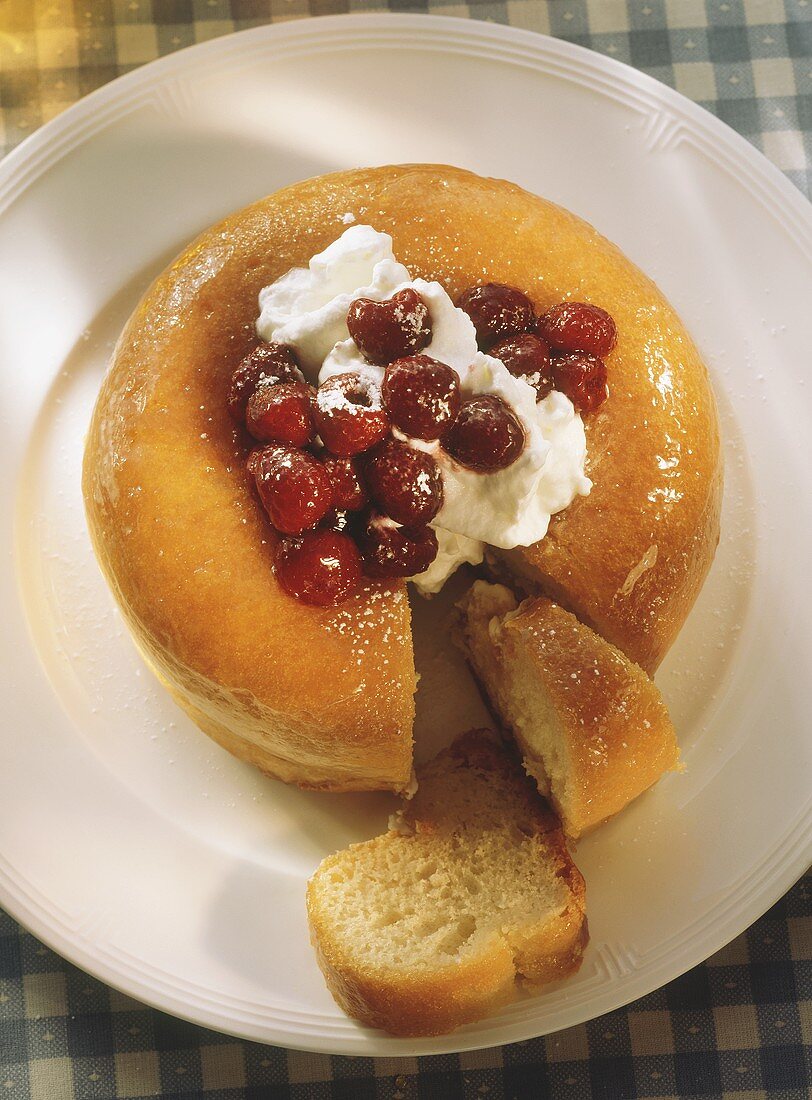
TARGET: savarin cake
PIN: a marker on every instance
(371, 378)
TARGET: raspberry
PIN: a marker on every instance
(498, 311)
(266, 364)
(528, 357)
(281, 414)
(583, 379)
(348, 413)
(385, 331)
(421, 395)
(486, 436)
(294, 487)
(404, 483)
(578, 326)
(319, 568)
(349, 493)
(392, 551)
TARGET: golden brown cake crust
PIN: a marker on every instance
(619, 735)
(325, 697)
(608, 737)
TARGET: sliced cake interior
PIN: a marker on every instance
(429, 926)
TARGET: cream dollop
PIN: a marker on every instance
(512, 507)
(453, 550)
(307, 308)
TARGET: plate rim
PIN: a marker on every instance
(456, 27)
(48, 144)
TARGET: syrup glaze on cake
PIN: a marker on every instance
(324, 696)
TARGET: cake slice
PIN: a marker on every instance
(591, 725)
(430, 925)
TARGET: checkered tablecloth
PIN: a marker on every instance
(747, 61)
(738, 1026)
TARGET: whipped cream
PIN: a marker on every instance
(453, 550)
(307, 308)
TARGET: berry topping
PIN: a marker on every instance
(392, 551)
(320, 568)
(404, 483)
(281, 413)
(349, 415)
(528, 357)
(577, 326)
(294, 487)
(583, 379)
(385, 331)
(267, 364)
(421, 396)
(486, 436)
(349, 493)
(498, 311)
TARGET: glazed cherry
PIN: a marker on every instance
(319, 568)
(349, 493)
(392, 551)
(404, 483)
(498, 311)
(281, 414)
(528, 357)
(578, 326)
(294, 487)
(421, 395)
(582, 378)
(349, 415)
(385, 331)
(486, 436)
(266, 364)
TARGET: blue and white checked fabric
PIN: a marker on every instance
(747, 61)
(739, 1026)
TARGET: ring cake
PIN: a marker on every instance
(321, 693)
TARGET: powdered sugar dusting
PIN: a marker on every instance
(375, 627)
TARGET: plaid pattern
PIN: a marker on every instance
(740, 1026)
(747, 61)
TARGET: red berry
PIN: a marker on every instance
(349, 415)
(267, 364)
(486, 436)
(294, 487)
(578, 326)
(583, 379)
(281, 414)
(528, 357)
(421, 395)
(498, 311)
(348, 490)
(406, 484)
(320, 568)
(385, 331)
(391, 551)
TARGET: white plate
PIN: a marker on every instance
(131, 843)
